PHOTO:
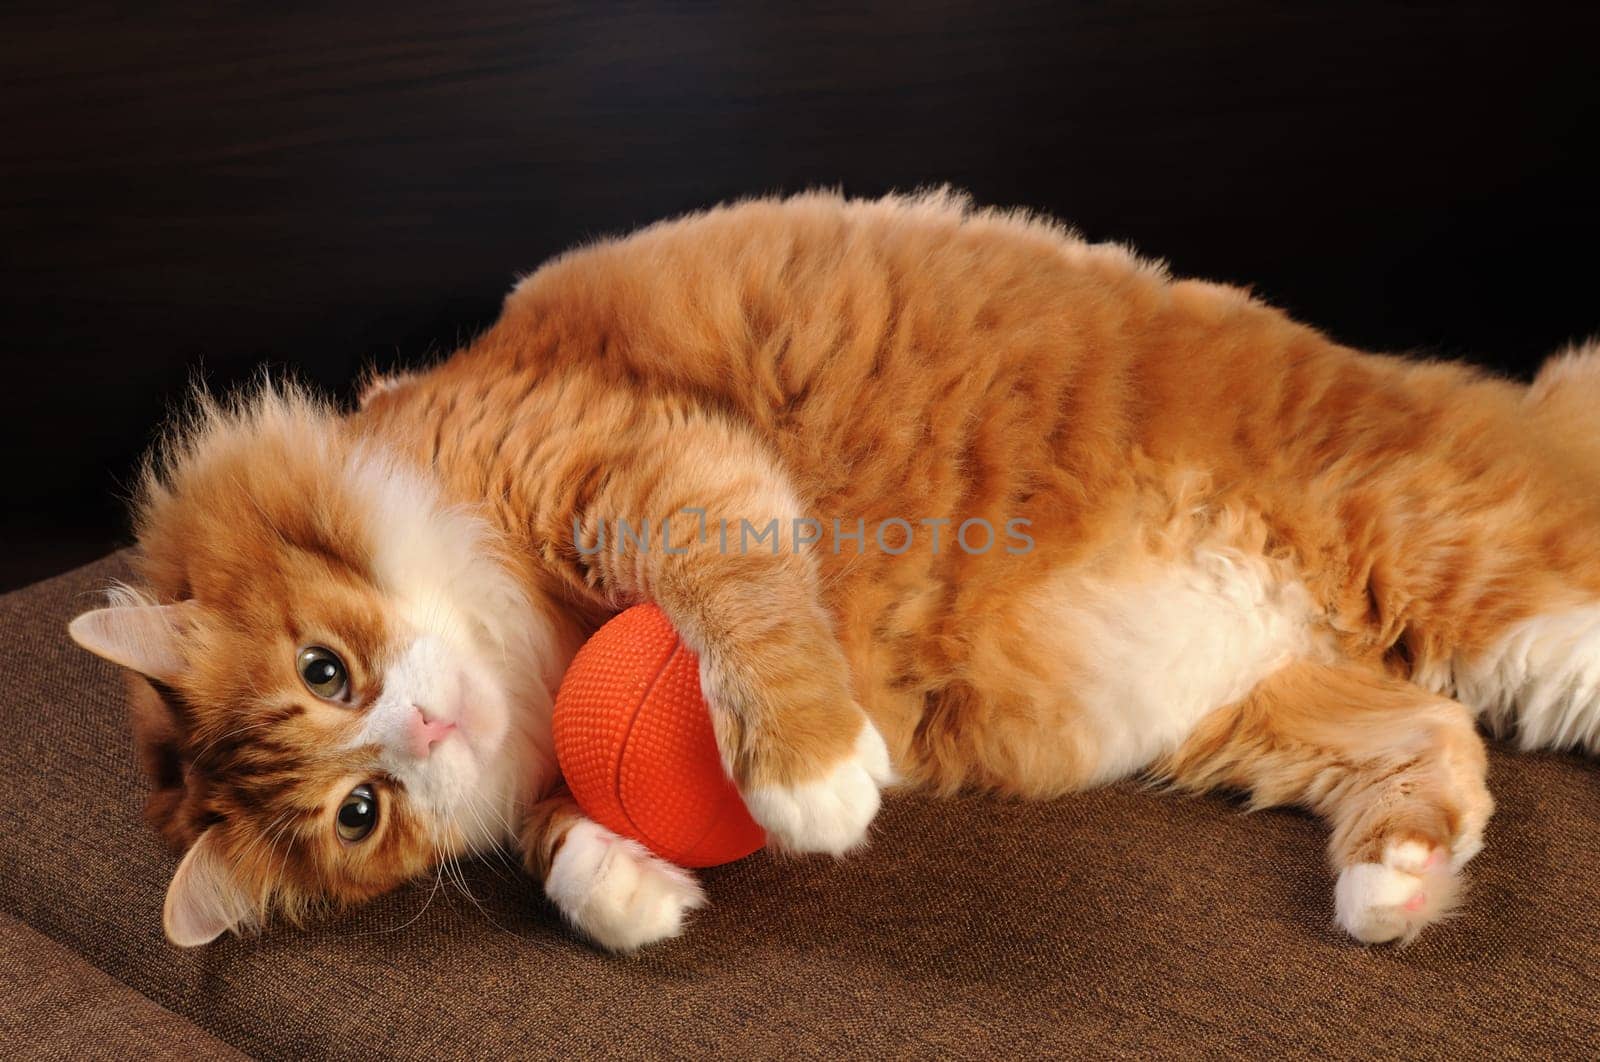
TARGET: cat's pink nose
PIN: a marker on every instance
(427, 731)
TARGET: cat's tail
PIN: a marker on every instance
(1565, 399)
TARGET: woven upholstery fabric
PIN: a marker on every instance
(56, 1004)
(1115, 923)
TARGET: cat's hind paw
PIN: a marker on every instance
(1414, 886)
(616, 892)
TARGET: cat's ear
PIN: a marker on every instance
(204, 900)
(145, 638)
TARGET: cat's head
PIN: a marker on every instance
(336, 678)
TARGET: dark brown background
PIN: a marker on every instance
(197, 191)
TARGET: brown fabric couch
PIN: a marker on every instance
(1115, 923)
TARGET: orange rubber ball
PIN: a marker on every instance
(633, 737)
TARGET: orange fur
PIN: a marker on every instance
(241, 747)
(912, 358)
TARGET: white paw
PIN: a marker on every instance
(832, 813)
(1392, 900)
(616, 892)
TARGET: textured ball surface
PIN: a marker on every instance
(634, 740)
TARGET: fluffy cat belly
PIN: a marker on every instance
(1150, 655)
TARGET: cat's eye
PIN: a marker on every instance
(323, 673)
(358, 814)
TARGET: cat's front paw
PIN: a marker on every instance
(1393, 900)
(830, 813)
(617, 893)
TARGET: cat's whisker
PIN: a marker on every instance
(452, 873)
(495, 848)
(428, 902)
(505, 832)
(459, 878)
(458, 875)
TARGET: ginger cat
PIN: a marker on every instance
(1045, 517)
